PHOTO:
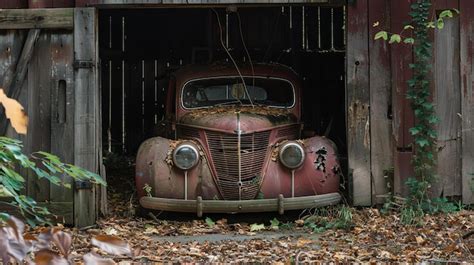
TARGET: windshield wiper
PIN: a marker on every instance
(228, 103)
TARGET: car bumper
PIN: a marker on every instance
(200, 206)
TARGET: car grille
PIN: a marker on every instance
(223, 149)
(289, 133)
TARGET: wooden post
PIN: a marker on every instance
(86, 144)
(467, 99)
(358, 102)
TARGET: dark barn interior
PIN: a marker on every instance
(139, 48)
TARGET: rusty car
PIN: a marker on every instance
(232, 143)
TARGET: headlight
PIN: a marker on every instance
(292, 155)
(185, 156)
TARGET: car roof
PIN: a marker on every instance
(196, 71)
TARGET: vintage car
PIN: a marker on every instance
(234, 145)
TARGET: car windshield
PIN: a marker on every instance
(230, 90)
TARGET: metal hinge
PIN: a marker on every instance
(78, 64)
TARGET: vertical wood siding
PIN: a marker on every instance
(467, 98)
(358, 102)
(401, 57)
(447, 99)
(381, 155)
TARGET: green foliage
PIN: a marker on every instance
(274, 224)
(256, 227)
(210, 222)
(43, 165)
(419, 94)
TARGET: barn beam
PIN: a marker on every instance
(42, 18)
(145, 3)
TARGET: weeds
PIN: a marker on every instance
(331, 217)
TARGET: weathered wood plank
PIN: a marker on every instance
(62, 108)
(14, 84)
(467, 99)
(358, 100)
(11, 44)
(401, 57)
(381, 148)
(39, 111)
(47, 18)
(447, 97)
(86, 92)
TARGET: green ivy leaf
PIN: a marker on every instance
(395, 38)
(446, 13)
(433, 119)
(415, 130)
(381, 35)
(409, 41)
(422, 142)
(440, 23)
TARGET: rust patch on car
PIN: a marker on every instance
(321, 159)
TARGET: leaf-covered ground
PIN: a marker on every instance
(372, 237)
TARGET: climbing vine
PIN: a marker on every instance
(419, 94)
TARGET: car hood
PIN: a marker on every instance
(226, 118)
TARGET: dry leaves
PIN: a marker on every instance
(374, 237)
(14, 111)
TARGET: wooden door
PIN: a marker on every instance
(36, 68)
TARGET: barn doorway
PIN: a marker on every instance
(139, 48)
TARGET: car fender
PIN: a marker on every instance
(154, 168)
(319, 173)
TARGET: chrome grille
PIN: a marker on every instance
(223, 149)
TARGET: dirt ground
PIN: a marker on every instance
(371, 237)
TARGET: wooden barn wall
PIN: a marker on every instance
(388, 157)
(47, 95)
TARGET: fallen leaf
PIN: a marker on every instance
(48, 257)
(15, 113)
(256, 227)
(112, 245)
(419, 240)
